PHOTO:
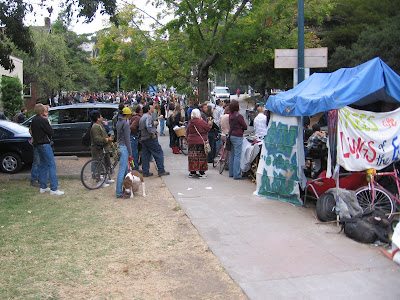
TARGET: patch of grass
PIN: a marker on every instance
(47, 240)
(177, 208)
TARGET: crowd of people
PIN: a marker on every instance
(130, 98)
(136, 126)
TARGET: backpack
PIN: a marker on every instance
(368, 227)
(114, 124)
(86, 137)
(15, 118)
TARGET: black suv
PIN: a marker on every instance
(70, 122)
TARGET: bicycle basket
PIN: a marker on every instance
(180, 131)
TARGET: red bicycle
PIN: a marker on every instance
(376, 196)
(222, 158)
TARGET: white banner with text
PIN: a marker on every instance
(367, 139)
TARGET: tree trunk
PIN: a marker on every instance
(203, 83)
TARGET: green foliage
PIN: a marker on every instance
(268, 26)
(48, 66)
(12, 13)
(122, 52)
(379, 41)
(11, 96)
(351, 17)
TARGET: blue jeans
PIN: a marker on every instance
(35, 164)
(47, 167)
(152, 147)
(162, 125)
(123, 168)
(234, 159)
(135, 150)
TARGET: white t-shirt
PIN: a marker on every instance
(260, 125)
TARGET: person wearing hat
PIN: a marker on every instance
(123, 133)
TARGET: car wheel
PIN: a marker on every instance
(10, 162)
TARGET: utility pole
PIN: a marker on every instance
(300, 47)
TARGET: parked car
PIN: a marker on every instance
(15, 146)
(70, 122)
(222, 93)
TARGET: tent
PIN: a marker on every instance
(282, 158)
(361, 85)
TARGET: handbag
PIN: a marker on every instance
(207, 147)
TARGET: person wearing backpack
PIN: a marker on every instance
(115, 117)
(125, 148)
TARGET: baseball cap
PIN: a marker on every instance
(126, 111)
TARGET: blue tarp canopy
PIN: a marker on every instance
(362, 85)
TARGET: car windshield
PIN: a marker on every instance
(222, 91)
(14, 127)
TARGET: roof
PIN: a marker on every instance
(85, 105)
(362, 85)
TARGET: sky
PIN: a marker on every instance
(99, 22)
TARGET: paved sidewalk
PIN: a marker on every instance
(272, 249)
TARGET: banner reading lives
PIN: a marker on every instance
(367, 139)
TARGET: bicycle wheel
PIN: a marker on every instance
(382, 202)
(223, 161)
(217, 159)
(93, 174)
(183, 145)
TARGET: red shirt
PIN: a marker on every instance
(240, 125)
(191, 134)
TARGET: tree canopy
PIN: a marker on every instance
(12, 13)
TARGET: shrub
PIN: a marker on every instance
(11, 95)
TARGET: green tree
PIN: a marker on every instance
(11, 95)
(349, 18)
(84, 76)
(48, 66)
(14, 32)
(268, 26)
(375, 41)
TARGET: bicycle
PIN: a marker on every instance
(94, 172)
(223, 155)
(183, 145)
(376, 196)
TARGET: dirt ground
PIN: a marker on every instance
(160, 254)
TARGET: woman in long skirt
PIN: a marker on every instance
(196, 134)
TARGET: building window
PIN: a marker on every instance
(28, 90)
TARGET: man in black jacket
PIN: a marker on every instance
(42, 134)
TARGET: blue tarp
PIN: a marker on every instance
(361, 85)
